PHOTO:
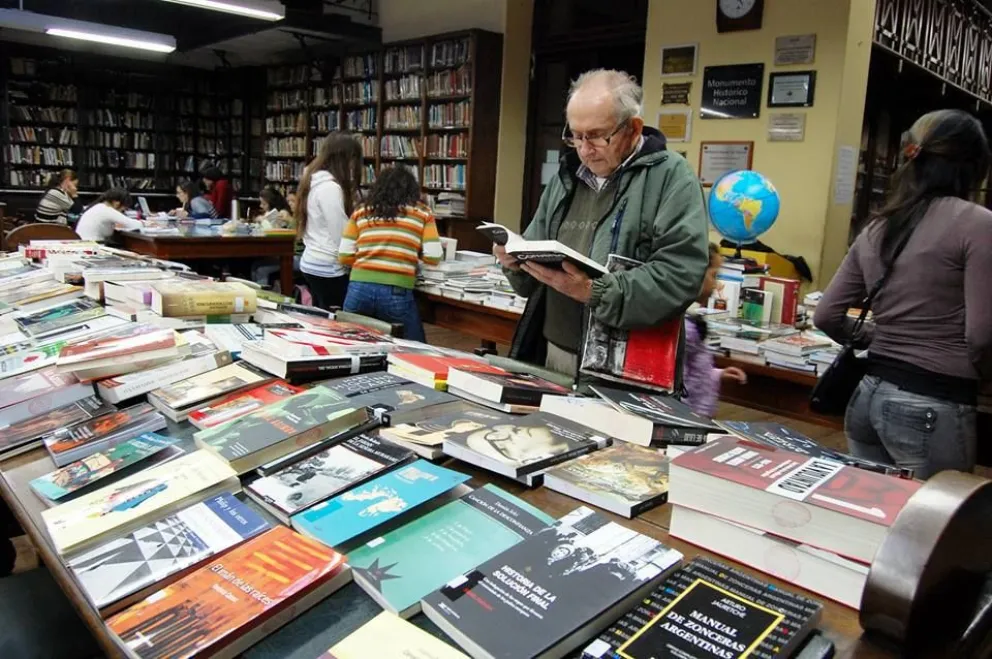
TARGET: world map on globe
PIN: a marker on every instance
(743, 205)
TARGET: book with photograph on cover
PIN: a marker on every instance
(647, 357)
(556, 589)
(30, 433)
(238, 404)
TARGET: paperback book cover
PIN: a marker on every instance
(75, 476)
(429, 435)
(432, 370)
(207, 386)
(232, 336)
(159, 552)
(339, 468)
(20, 358)
(233, 601)
(660, 410)
(124, 387)
(52, 319)
(324, 343)
(125, 344)
(523, 445)
(401, 401)
(238, 404)
(625, 479)
(30, 394)
(363, 508)
(504, 388)
(129, 503)
(306, 412)
(99, 429)
(387, 636)
(708, 609)
(408, 563)
(308, 369)
(783, 437)
(555, 590)
(29, 433)
(648, 356)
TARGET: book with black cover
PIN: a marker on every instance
(339, 468)
(709, 609)
(555, 590)
(309, 369)
(675, 421)
(504, 388)
(280, 428)
(394, 399)
(549, 253)
(779, 436)
(518, 446)
(30, 433)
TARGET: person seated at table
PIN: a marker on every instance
(59, 198)
(701, 378)
(106, 215)
(218, 189)
(327, 191)
(275, 211)
(292, 200)
(195, 206)
(382, 242)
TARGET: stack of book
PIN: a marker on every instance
(811, 521)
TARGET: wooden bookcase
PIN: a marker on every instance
(119, 123)
(430, 104)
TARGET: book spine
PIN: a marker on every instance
(135, 384)
(564, 457)
(202, 304)
(664, 436)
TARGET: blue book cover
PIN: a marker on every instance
(351, 514)
(155, 554)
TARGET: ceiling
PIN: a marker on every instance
(208, 38)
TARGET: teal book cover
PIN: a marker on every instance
(401, 567)
(82, 473)
(368, 506)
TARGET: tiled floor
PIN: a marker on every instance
(826, 436)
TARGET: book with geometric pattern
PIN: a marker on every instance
(163, 549)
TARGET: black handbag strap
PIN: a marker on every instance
(873, 293)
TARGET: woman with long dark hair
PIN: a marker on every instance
(931, 341)
(326, 198)
(194, 204)
(382, 243)
(106, 215)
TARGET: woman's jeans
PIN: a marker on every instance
(391, 304)
(887, 424)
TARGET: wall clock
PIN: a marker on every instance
(735, 15)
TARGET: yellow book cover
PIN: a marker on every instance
(133, 501)
(390, 637)
(197, 298)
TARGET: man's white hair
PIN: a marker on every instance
(627, 94)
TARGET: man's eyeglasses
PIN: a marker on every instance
(596, 141)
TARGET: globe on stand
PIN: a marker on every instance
(742, 206)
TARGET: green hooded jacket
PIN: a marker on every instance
(658, 216)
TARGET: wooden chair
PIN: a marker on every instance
(40, 231)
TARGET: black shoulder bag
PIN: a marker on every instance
(835, 387)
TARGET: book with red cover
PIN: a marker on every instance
(124, 344)
(431, 370)
(785, 298)
(646, 356)
(235, 600)
(784, 492)
(342, 330)
(323, 343)
(240, 403)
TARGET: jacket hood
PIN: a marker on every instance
(320, 177)
(655, 145)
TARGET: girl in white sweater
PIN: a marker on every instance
(103, 217)
(326, 199)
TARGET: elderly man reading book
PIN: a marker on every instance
(618, 191)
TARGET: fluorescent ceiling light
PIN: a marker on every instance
(266, 11)
(29, 21)
(116, 41)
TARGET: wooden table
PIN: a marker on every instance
(210, 245)
(839, 623)
(774, 390)
(490, 324)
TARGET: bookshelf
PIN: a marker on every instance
(287, 125)
(116, 122)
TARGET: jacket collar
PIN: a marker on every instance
(652, 151)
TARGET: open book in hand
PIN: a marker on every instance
(549, 253)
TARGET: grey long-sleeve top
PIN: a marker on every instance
(935, 310)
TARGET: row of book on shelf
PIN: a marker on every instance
(112, 361)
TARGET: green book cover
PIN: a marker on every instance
(82, 473)
(306, 411)
(410, 562)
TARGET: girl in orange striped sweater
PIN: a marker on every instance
(382, 243)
